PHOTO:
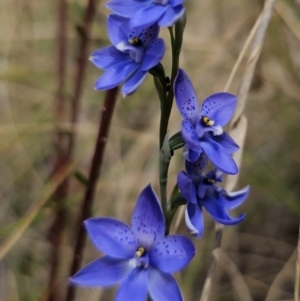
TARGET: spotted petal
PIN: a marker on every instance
(171, 16)
(219, 107)
(187, 187)
(218, 155)
(135, 286)
(197, 168)
(153, 54)
(172, 253)
(106, 57)
(112, 237)
(147, 16)
(163, 286)
(189, 135)
(194, 219)
(103, 271)
(147, 221)
(216, 209)
(185, 96)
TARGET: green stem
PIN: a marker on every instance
(166, 107)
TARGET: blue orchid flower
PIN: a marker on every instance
(201, 191)
(133, 54)
(144, 13)
(139, 257)
(202, 130)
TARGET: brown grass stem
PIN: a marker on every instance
(81, 66)
(238, 121)
(297, 272)
(106, 116)
(57, 228)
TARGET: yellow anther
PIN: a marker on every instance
(140, 252)
(211, 181)
(207, 121)
(135, 41)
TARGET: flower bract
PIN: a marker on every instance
(202, 130)
(139, 257)
(202, 191)
(133, 53)
(147, 12)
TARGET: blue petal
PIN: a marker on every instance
(148, 221)
(148, 35)
(194, 219)
(185, 96)
(172, 253)
(134, 287)
(175, 2)
(202, 187)
(163, 287)
(219, 156)
(112, 237)
(171, 16)
(133, 82)
(227, 142)
(219, 107)
(191, 155)
(103, 271)
(106, 57)
(147, 16)
(189, 135)
(187, 187)
(197, 167)
(153, 54)
(216, 209)
(128, 10)
(117, 28)
(234, 199)
(115, 75)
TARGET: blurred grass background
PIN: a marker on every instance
(262, 247)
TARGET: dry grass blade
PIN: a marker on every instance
(239, 284)
(239, 122)
(296, 291)
(35, 208)
(280, 280)
(242, 54)
(286, 14)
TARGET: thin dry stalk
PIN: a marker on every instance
(297, 276)
(96, 164)
(57, 228)
(237, 119)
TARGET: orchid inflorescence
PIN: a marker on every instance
(141, 257)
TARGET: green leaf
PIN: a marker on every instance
(176, 141)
